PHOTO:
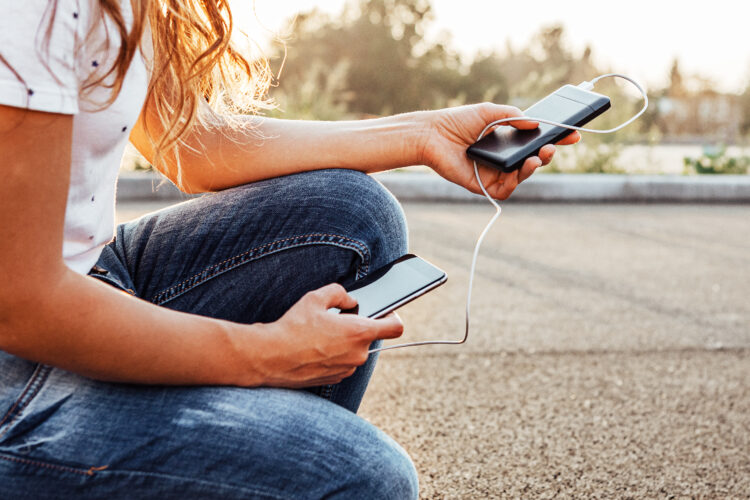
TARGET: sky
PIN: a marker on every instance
(637, 37)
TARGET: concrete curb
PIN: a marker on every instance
(147, 186)
(584, 188)
(540, 188)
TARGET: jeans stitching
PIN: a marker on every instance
(29, 393)
(18, 400)
(85, 472)
(263, 250)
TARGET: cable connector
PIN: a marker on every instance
(586, 85)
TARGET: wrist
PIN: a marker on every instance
(242, 362)
(419, 138)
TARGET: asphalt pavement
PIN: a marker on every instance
(609, 355)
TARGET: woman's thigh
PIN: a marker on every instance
(79, 438)
(248, 253)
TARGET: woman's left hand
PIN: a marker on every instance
(452, 130)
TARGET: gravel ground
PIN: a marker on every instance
(609, 355)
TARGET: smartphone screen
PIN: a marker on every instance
(392, 286)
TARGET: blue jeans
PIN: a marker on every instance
(245, 254)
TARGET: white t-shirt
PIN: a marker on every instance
(52, 82)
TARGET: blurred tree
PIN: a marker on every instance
(744, 103)
(391, 68)
(373, 59)
(486, 80)
(676, 81)
(321, 95)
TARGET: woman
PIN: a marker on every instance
(164, 363)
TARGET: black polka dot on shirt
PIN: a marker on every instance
(91, 237)
(30, 92)
(92, 197)
(95, 63)
(124, 129)
(75, 15)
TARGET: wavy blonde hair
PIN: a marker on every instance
(196, 62)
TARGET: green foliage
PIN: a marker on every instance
(588, 158)
(373, 59)
(320, 95)
(389, 66)
(141, 165)
(717, 161)
(133, 161)
(744, 104)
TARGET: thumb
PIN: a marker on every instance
(334, 295)
(495, 112)
(390, 326)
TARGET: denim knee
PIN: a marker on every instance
(388, 474)
(377, 209)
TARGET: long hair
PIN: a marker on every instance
(199, 72)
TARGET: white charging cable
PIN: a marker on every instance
(498, 210)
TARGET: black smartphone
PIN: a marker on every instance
(390, 287)
(506, 148)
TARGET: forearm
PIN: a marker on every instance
(90, 328)
(263, 148)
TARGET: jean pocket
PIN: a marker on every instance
(19, 390)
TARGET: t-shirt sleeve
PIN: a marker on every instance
(37, 72)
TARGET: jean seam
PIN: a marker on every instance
(262, 251)
(75, 470)
(105, 470)
(35, 383)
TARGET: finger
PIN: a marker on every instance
(546, 153)
(534, 161)
(331, 380)
(339, 375)
(508, 184)
(491, 179)
(524, 124)
(334, 295)
(525, 171)
(571, 138)
(388, 327)
(493, 112)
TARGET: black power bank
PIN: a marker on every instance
(506, 148)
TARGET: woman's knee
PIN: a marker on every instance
(398, 477)
(389, 219)
(387, 472)
(342, 207)
(374, 214)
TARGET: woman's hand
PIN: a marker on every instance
(451, 131)
(311, 346)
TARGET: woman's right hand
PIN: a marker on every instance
(310, 346)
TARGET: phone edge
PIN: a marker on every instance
(411, 297)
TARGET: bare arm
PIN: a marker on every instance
(262, 148)
(53, 315)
